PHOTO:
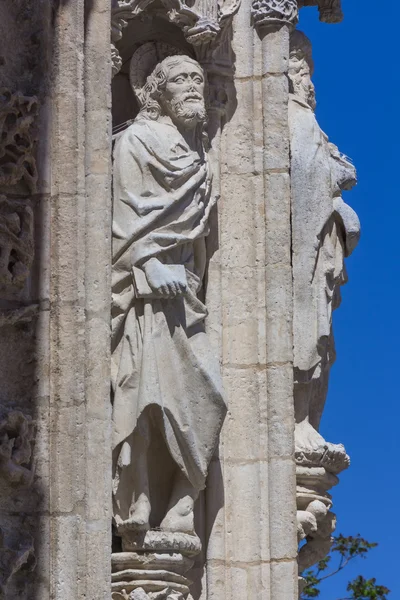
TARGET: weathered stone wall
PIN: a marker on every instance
(25, 31)
(79, 417)
(55, 245)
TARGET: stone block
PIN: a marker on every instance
(276, 135)
(275, 51)
(282, 509)
(284, 583)
(65, 556)
(243, 531)
(243, 340)
(277, 209)
(239, 138)
(216, 580)
(67, 464)
(279, 314)
(280, 411)
(245, 390)
(246, 45)
(241, 213)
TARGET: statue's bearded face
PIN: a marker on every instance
(300, 75)
(183, 94)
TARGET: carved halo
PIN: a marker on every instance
(144, 61)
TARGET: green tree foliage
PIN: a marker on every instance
(344, 550)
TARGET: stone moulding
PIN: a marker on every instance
(162, 541)
(153, 566)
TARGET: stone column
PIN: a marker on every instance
(273, 26)
(253, 546)
(79, 412)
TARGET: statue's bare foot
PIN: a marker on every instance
(139, 516)
(307, 438)
(180, 517)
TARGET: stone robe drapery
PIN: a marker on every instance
(312, 206)
(325, 230)
(161, 356)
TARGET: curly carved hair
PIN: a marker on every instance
(150, 93)
(156, 82)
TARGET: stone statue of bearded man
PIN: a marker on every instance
(325, 232)
(168, 407)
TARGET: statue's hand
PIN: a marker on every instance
(162, 280)
(146, 208)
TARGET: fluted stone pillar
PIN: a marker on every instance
(79, 411)
(252, 547)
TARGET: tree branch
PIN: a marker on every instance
(341, 566)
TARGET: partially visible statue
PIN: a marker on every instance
(325, 231)
(168, 407)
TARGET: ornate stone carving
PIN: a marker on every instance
(16, 439)
(156, 569)
(22, 314)
(16, 553)
(330, 11)
(168, 407)
(274, 13)
(202, 23)
(325, 232)
(17, 161)
(16, 243)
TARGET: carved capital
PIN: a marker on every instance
(274, 13)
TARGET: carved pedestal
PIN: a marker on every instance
(316, 474)
(153, 566)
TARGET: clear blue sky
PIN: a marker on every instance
(357, 79)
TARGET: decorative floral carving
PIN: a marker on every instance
(16, 438)
(16, 242)
(139, 594)
(17, 162)
(199, 27)
(270, 13)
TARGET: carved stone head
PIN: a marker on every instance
(175, 88)
(301, 68)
